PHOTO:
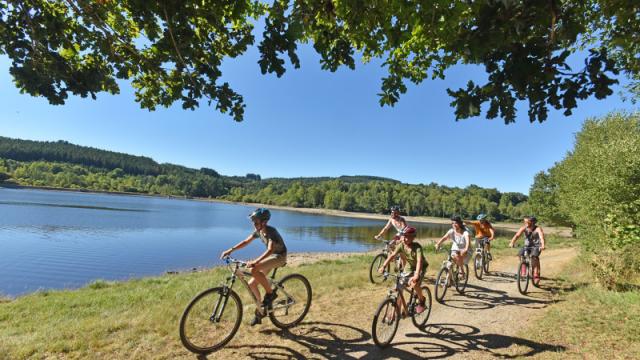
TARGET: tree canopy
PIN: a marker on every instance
(171, 50)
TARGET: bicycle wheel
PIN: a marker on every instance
(385, 322)
(535, 282)
(442, 283)
(478, 265)
(420, 320)
(292, 303)
(486, 262)
(210, 320)
(374, 276)
(523, 277)
(461, 283)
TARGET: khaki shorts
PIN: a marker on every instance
(273, 261)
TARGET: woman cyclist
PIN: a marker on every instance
(460, 243)
(275, 256)
(534, 239)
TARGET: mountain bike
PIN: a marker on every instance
(213, 317)
(449, 275)
(387, 316)
(374, 276)
(481, 260)
(525, 271)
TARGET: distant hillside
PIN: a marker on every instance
(64, 165)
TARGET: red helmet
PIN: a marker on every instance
(409, 230)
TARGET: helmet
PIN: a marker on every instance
(261, 214)
(409, 230)
(395, 208)
(533, 219)
(481, 217)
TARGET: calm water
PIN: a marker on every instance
(52, 239)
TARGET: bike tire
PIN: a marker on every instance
(533, 280)
(294, 292)
(461, 284)
(374, 276)
(420, 320)
(198, 333)
(522, 277)
(385, 322)
(486, 264)
(442, 283)
(478, 266)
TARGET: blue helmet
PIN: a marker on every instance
(260, 214)
(481, 217)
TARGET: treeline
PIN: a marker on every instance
(596, 190)
(64, 165)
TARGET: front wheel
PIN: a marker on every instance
(478, 265)
(442, 283)
(523, 277)
(487, 260)
(210, 320)
(385, 322)
(292, 303)
(374, 276)
(461, 282)
(420, 320)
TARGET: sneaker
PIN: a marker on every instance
(268, 299)
(420, 308)
(257, 319)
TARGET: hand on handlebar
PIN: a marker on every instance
(377, 237)
(225, 253)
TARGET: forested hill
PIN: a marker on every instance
(64, 165)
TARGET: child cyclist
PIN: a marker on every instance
(275, 256)
(460, 238)
(416, 264)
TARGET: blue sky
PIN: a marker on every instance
(314, 123)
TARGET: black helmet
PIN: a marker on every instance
(395, 208)
(260, 214)
(533, 219)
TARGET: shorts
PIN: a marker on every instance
(534, 251)
(273, 261)
(422, 273)
(481, 241)
(466, 258)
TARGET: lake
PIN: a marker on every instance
(60, 239)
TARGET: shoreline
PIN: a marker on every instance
(551, 230)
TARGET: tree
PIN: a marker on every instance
(171, 50)
(4, 177)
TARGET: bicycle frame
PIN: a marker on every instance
(398, 289)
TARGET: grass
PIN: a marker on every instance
(596, 323)
(139, 318)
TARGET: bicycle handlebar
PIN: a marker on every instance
(229, 260)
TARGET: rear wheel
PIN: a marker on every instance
(536, 281)
(420, 320)
(292, 303)
(487, 260)
(523, 277)
(374, 276)
(385, 322)
(478, 266)
(461, 282)
(442, 283)
(210, 320)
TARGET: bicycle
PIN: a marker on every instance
(387, 316)
(374, 276)
(448, 274)
(525, 271)
(481, 260)
(213, 316)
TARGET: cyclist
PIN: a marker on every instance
(484, 232)
(459, 236)
(416, 263)
(275, 256)
(534, 238)
(396, 221)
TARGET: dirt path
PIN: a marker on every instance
(485, 321)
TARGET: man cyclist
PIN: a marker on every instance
(484, 232)
(397, 221)
(416, 263)
(534, 239)
(275, 256)
(459, 236)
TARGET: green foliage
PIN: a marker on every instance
(597, 187)
(172, 51)
(543, 199)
